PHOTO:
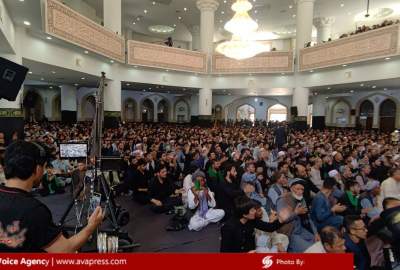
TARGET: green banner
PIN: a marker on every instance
(10, 112)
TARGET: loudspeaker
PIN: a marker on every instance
(293, 111)
(12, 76)
(353, 112)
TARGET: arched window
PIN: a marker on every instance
(277, 112)
(246, 112)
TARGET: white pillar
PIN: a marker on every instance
(324, 28)
(112, 103)
(196, 40)
(68, 98)
(205, 102)
(155, 116)
(207, 9)
(112, 15)
(300, 100)
(304, 22)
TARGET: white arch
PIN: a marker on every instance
(246, 112)
(277, 112)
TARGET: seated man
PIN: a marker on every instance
(351, 200)
(269, 242)
(369, 199)
(164, 196)
(355, 236)
(322, 213)
(51, 184)
(299, 228)
(202, 198)
(237, 235)
(331, 242)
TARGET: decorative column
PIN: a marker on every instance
(68, 104)
(324, 28)
(207, 9)
(196, 40)
(112, 15)
(320, 112)
(112, 104)
(304, 22)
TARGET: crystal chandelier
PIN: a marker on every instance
(241, 26)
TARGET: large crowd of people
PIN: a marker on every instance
(271, 188)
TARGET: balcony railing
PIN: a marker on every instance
(371, 45)
(158, 56)
(270, 62)
(66, 24)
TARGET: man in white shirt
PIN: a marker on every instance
(331, 242)
(391, 186)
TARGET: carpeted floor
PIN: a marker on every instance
(148, 228)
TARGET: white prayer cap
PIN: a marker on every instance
(281, 153)
(333, 173)
(334, 153)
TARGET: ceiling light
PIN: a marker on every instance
(256, 99)
(76, 84)
(222, 12)
(144, 90)
(53, 72)
(241, 24)
(49, 38)
(111, 61)
(387, 58)
(290, 6)
(374, 86)
(86, 52)
(255, 11)
(294, 15)
(134, 23)
(311, 71)
(328, 88)
(384, 89)
(42, 79)
(154, 3)
(161, 29)
(138, 18)
(185, 9)
(30, 72)
(179, 18)
(362, 85)
(128, 84)
(145, 11)
(27, 23)
(344, 65)
(21, 0)
(224, 1)
(174, 25)
(51, 87)
(351, 91)
(342, 5)
(240, 49)
(83, 78)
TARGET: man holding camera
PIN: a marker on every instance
(26, 224)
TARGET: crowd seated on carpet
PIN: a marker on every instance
(271, 188)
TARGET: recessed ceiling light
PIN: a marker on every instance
(86, 52)
(134, 23)
(111, 61)
(255, 11)
(174, 25)
(27, 23)
(342, 5)
(138, 18)
(42, 79)
(224, 1)
(311, 71)
(144, 90)
(49, 38)
(154, 3)
(344, 65)
(290, 6)
(222, 12)
(145, 11)
(362, 85)
(21, 0)
(351, 91)
(374, 86)
(76, 84)
(185, 9)
(30, 72)
(294, 15)
(128, 84)
(384, 89)
(256, 99)
(387, 58)
(83, 78)
(329, 88)
(53, 72)
(179, 18)
(51, 87)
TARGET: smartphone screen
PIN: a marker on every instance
(95, 201)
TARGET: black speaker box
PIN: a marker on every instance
(293, 111)
(12, 76)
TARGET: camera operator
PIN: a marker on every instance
(26, 224)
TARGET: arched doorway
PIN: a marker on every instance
(341, 114)
(147, 111)
(181, 111)
(129, 110)
(88, 108)
(277, 112)
(56, 108)
(162, 111)
(366, 115)
(33, 107)
(218, 113)
(246, 112)
(387, 115)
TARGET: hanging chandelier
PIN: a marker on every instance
(242, 26)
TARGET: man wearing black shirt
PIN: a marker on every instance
(237, 235)
(140, 182)
(26, 224)
(163, 194)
